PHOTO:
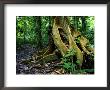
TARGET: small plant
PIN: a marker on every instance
(77, 39)
(67, 60)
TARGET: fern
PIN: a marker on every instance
(67, 60)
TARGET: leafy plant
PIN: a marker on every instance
(67, 65)
(67, 60)
(77, 39)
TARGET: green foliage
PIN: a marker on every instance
(77, 39)
(85, 24)
(25, 29)
(71, 65)
(44, 29)
(89, 33)
(67, 65)
(70, 52)
(29, 31)
(67, 60)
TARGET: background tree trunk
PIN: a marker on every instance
(38, 30)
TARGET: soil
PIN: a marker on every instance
(26, 65)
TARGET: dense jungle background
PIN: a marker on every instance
(55, 45)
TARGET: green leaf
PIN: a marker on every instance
(67, 65)
(78, 62)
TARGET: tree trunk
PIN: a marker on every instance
(38, 30)
(56, 37)
(59, 43)
(61, 27)
(83, 23)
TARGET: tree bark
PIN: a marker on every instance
(61, 27)
(57, 39)
(59, 43)
(38, 30)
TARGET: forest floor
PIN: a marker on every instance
(26, 65)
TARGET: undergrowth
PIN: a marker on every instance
(71, 64)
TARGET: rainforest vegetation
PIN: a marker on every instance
(55, 45)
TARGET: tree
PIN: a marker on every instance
(65, 26)
(38, 31)
(83, 23)
(61, 26)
